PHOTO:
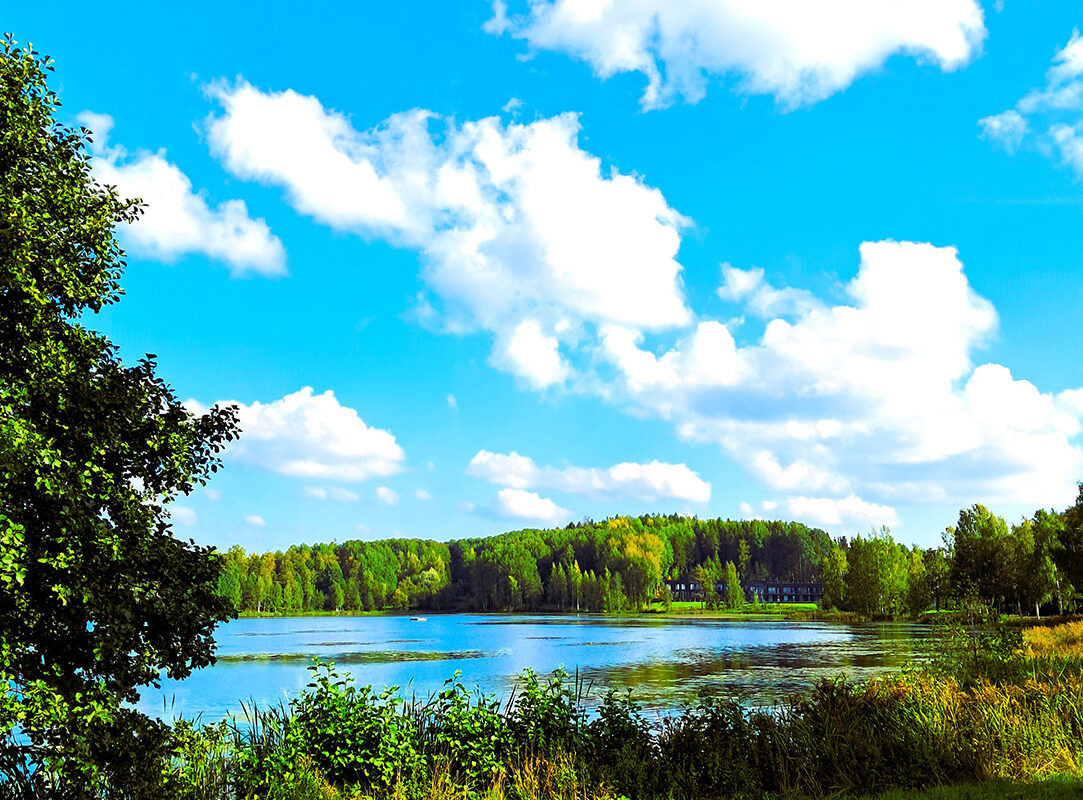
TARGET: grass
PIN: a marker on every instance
(1053, 789)
(1062, 640)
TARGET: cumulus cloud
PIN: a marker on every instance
(521, 232)
(255, 520)
(422, 494)
(387, 496)
(759, 297)
(521, 504)
(179, 220)
(309, 435)
(331, 493)
(854, 407)
(1051, 116)
(796, 50)
(652, 481)
(851, 511)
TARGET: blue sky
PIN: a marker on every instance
(470, 267)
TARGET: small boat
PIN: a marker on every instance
(417, 619)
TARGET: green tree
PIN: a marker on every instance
(98, 596)
(558, 588)
(877, 572)
(982, 563)
(735, 595)
(1037, 573)
(1068, 554)
(918, 595)
(835, 568)
(937, 575)
(744, 559)
(575, 584)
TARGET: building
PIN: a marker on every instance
(759, 591)
(785, 591)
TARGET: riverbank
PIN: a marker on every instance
(675, 610)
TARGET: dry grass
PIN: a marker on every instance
(1062, 640)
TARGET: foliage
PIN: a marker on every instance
(735, 595)
(593, 566)
(834, 572)
(98, 596)
(467, 732)
(352, 735)
(548, 717)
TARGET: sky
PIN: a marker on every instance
(480, 266)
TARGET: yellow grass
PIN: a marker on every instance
(1063, 640)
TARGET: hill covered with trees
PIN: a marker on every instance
(611, 565)
(623, 563)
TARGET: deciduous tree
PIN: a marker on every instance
(97, 596)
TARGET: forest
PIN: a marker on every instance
(622, 563)
(612, 565)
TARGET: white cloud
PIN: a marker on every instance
(797, 50)
(331, 493)
(532, 355)
(387, 496)
(1052, 115)
(1008, 128)
(212, 494)
(182, 515)
(422, 494)
(520, 504)
(255, 520)
(452, 403)
(177, 219)
(652, 481)
(872, 400)
(310, 435)
(851, 511)
(521, 232)
(1069, 142)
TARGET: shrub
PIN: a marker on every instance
(467, 732)
(353, 736)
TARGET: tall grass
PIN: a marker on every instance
(1062, 640)
(986, 708)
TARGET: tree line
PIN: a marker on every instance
(1022, 568)
(612, 565)
(622, 563)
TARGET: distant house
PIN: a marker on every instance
(759, 591)
(785, 591)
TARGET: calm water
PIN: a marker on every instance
(667, 660)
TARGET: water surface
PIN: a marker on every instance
(668, 660)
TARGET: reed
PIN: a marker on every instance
(1062, 640)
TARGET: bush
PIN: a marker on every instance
(353, 736)
(467, 732)
(548, 718)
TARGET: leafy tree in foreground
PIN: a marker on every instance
(96, 595)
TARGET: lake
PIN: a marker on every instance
(668, 660)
